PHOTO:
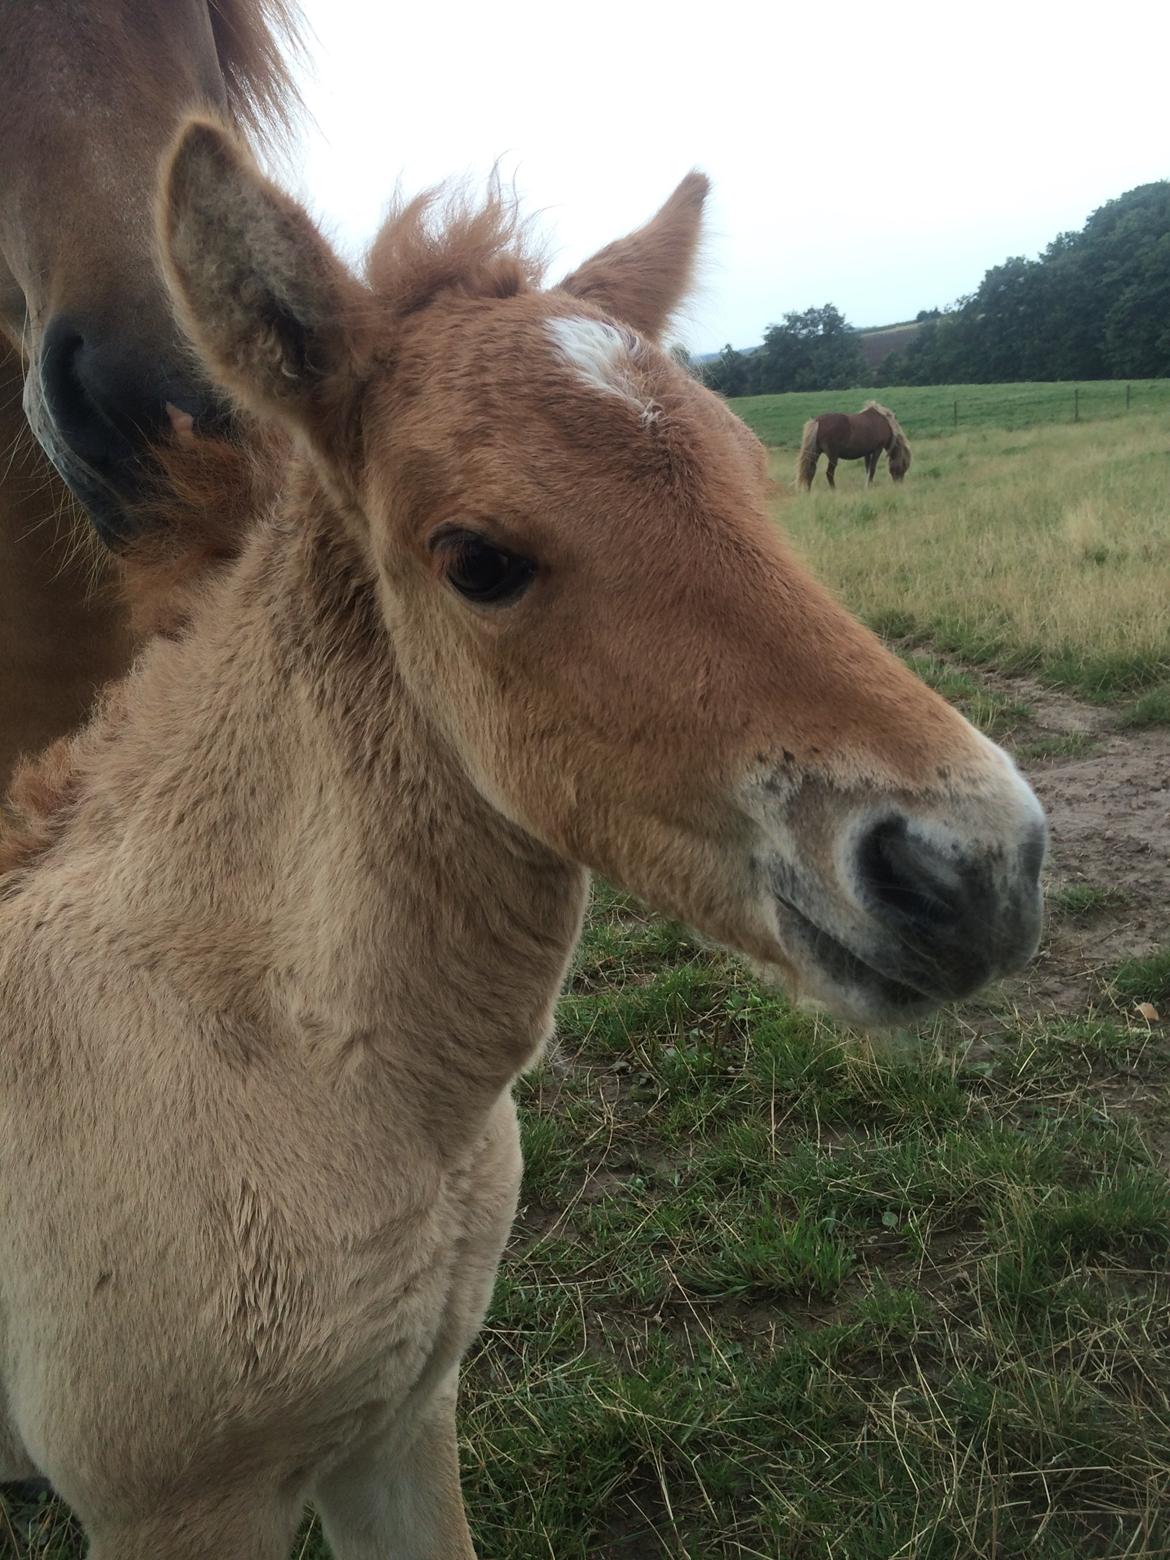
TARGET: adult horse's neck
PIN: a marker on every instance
(298, 850)
(62, 635)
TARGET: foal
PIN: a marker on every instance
(518, 612)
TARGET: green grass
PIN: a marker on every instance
(1152, 709)
(778, 1291)
(1146, 980)
(1081, 901)
(928, 410)
(1059, 744)
(778, 1294)
(994, 713)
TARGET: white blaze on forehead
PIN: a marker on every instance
(601, 355)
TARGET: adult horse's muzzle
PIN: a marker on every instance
(98, 407)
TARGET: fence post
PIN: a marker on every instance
(956, 414)
(1076, 404)
(1127, 398)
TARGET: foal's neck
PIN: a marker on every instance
(336, 876)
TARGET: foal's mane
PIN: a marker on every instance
(257, 41)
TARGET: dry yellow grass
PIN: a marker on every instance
(1047, 548)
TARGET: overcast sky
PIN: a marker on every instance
(880, 160)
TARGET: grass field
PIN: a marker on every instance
(780, 1292)
(927, 410)
(1044, 550)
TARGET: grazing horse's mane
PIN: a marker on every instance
(256, 40)
(884, 411)
(898, 455)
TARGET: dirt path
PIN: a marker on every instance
(1108, 804)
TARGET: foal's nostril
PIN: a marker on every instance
(904, 876)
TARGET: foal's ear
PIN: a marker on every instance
(641, 279)
(265, 301)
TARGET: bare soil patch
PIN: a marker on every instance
(1108, 806)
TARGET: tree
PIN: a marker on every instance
(1095, 304)
(813, 350)
(730, 373)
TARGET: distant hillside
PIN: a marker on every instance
(878, 343)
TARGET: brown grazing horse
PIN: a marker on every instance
(90, 96)
(518, 611)
(860, 435)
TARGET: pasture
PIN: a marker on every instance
(929, 410)
(781, 1292)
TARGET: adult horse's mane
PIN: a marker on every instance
(257, 41)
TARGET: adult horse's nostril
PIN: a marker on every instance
(65, 396)
(104, 403)
(905, 876)
(107, 406)
(108, 400)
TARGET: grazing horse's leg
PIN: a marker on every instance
(871, 461)
(829, 470)
(391, 1503)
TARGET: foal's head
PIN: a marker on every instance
(586, 597)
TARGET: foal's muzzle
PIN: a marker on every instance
(897, 909)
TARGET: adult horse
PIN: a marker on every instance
(306, 908)
(859, 435)
(90, 95)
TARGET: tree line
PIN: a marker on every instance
(1094, 305)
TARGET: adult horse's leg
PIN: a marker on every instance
(829, 471)
(62, 635)
(871, 461)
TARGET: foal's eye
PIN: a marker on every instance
(482, 572)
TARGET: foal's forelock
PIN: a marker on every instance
(604, 358)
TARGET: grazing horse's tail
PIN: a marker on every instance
(806, 466)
